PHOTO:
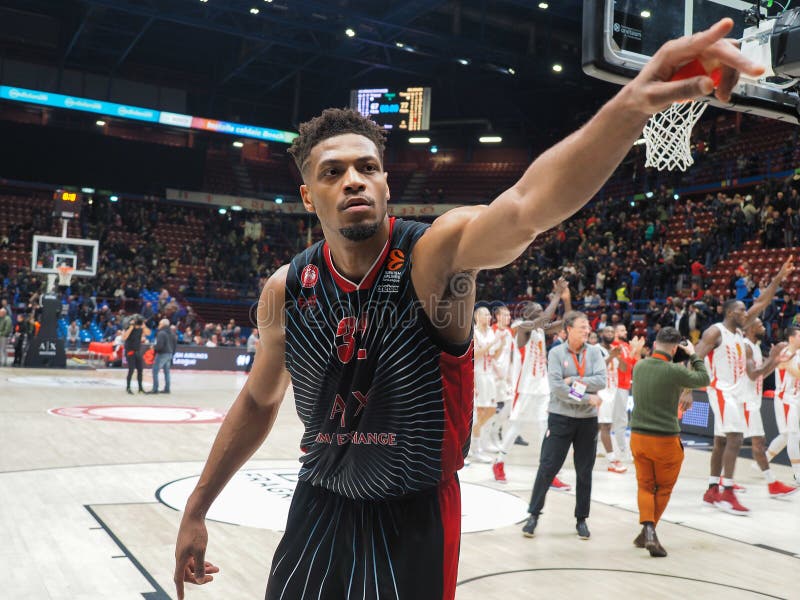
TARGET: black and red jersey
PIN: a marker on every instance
(386, 403)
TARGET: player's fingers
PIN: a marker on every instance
(687, 48)
(729, 54)
(178, 579)
(210, 568)
(662, 94)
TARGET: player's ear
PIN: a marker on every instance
(305, 194)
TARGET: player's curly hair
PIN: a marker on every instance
(332, 122)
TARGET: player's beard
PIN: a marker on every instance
(360, 232)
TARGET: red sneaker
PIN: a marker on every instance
(559, 485)
(730, 504)
(711, 497)
(739, 489)
(617, 467)
(499, 472)
(778, 489)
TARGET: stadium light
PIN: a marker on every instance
(511, 71)
(645, 14)
(557, 68)
(490, 139)
(434, 149)
(278, 200)
(87, 190)
(254, 11)
(350, 32)
(544, 5)
(100, 123)
(648, 194)
(676, 196)
(400, 44)
(633, 203)
(463, 61)
(238, 145)
(114, 198)
(419, 140)
(222, 211)
(236, 208)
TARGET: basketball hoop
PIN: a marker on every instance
(64, 275)
(668, 135)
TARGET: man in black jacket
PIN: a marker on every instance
(164, 349)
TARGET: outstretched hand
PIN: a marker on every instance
(654, 89)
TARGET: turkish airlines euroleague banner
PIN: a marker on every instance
(202, 358)
(296, 208)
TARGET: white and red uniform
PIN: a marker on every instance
(752, 392)
(727, 365)
(605, 414)
(503, 364)
(787, 399)
(532, 390)
(485, 388)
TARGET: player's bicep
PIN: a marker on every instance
(708, 342)
(269, 378)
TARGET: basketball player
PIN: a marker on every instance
(722, 345)
(787, 399)
(605, 413)
(532, 389)
(630, 353)
(753, 389)
(486, 347)
(387, 407)
(503, 366)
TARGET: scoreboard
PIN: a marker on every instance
(67, 204)
(408, 109)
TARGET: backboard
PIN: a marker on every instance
(620, 36)
(50, 252)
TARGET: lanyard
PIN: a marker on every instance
(580, 365)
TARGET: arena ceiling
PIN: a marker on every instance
(291, 58)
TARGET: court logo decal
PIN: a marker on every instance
(60, 382)
(127, 413)
(261, 497)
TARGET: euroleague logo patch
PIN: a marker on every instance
(140, 414)
(310, 276)
(397, 260)
(261, 498)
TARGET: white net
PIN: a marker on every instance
(668, 136)
(64, 275)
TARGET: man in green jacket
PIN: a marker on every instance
(5, 333)
(660, 385)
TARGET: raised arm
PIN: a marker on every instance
(245, 427)
(544, 320)
(565, 178)
(753, 371)
(766, 296)
(710, 340)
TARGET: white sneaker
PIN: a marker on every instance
(489, 446)
(480, 457)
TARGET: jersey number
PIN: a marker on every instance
(346, 330)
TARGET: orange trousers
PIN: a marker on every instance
(658, 461)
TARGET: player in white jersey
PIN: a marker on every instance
(753, 390)
(504, 369)
(787, 404)
(722, 345)
(605, 413)
(486, 349)
(531, 393)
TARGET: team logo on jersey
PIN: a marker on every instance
(397, 260)
(309, 276)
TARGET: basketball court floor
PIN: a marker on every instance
(91, 480)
